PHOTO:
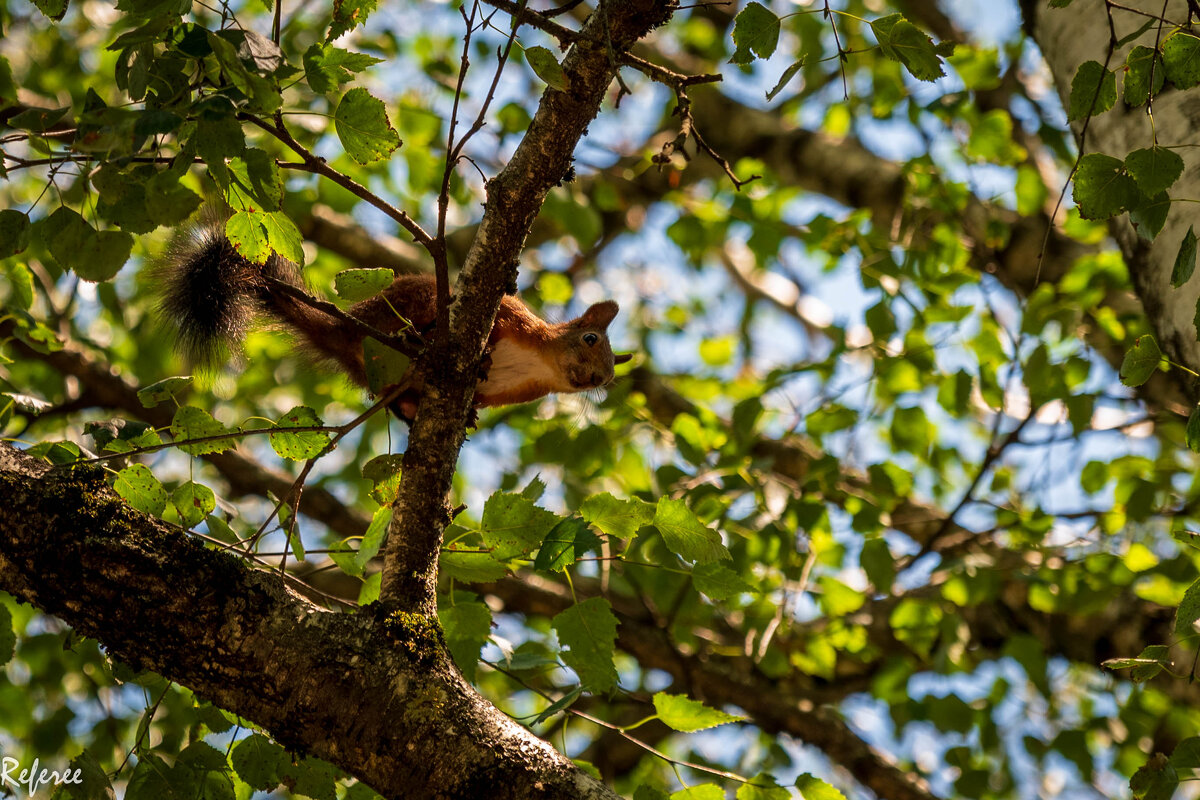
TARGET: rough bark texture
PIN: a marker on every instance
(513, 200)
(1068, 38)
(372, 692)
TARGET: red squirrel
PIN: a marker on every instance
(213, 294)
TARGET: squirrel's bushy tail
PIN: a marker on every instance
(212, 294)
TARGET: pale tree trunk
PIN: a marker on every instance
(1069, 37)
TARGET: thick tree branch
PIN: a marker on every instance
(513, 199)
(375, 694)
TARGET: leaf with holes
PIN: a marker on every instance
(138, 486)
(1102, 187)
(301, 445)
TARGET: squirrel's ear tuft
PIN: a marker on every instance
(621, 358)
(599, 315)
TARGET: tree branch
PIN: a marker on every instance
(514, 197)
(375, 694)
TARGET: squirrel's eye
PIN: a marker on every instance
(590, 339)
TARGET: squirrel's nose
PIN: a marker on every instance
(599, 379)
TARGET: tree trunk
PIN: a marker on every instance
(1068, 38)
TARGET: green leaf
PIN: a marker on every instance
(1188, 611)
(755, 32)
(217, 139)
(1093, 91)
(15, 232)
(138, 486)
(1186, 754)
(619, 518)
(546, 67)
(385, 365)
(703, 791)
(470, 567)
(785, 79)
(303, 445)
(1141, 361)
(54, 9)
(313, 778)
(20, 280)
(204, 757)
(1154, 168)
(762, 787)
(348, 14)
(719, 582)
(8, 637)
(8, 88)
(513, 526)
(685, 535)
(327, 67)
(59, 453)
(1138, 67)
(245, 231)
(534, 489)
(681, 713)
(283, 237)
(191, 422)
(467, 627)
(1181, 59)
(1102, 188)
(168, 201)
(589, 632)
(1150, 214)
(245, 74)
(254, 182)
(92, 781)
(1185, 259)
(904, 42)
(1149, 663)
(164, 390)
(259, 762)
(559, 705)
(193, 501)
(837, 599)
(353, 285)
(373, 539)
(816, 789)
(565, 544)
(369, 592)
(93, 255)
(878, 563)
(384, 472)
(362, 126)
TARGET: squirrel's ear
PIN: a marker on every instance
(599, 315)
(621, 358)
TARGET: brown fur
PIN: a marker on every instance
(529, 357)
(212, 293)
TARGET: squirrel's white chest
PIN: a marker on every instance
(515, 368)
